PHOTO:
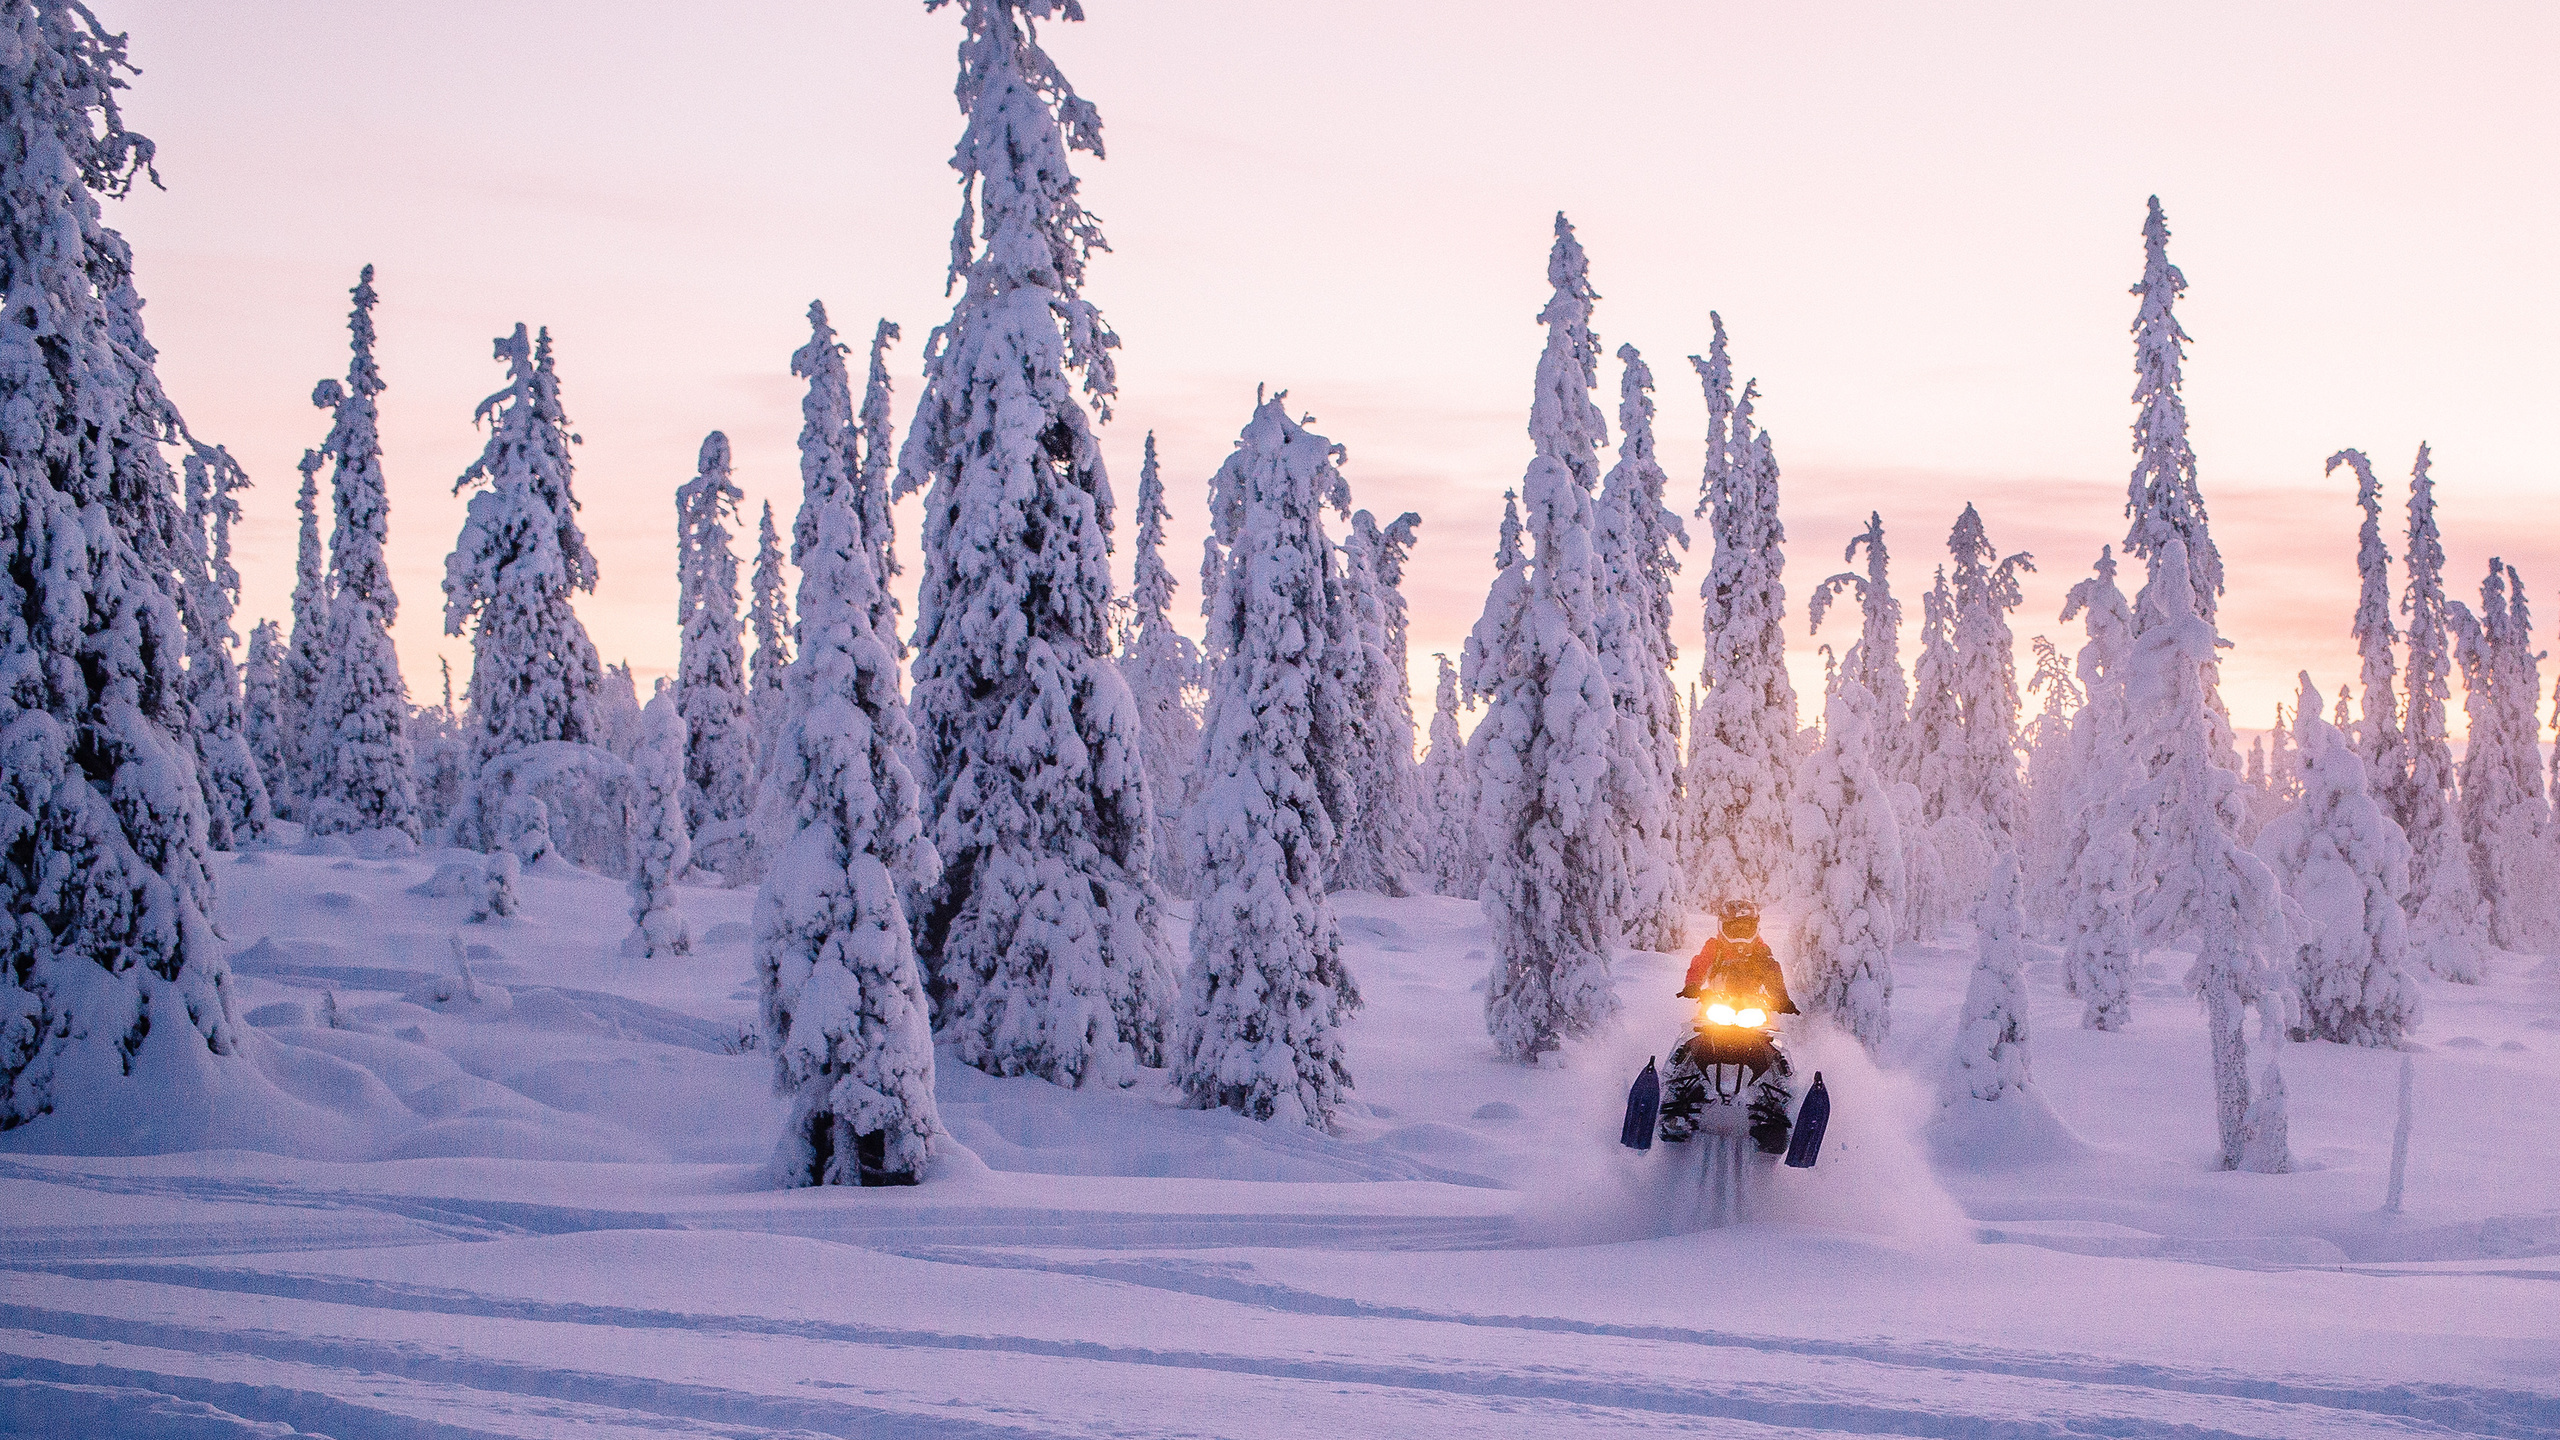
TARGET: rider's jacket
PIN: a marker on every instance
(1740, 967)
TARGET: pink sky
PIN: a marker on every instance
(1919, 232)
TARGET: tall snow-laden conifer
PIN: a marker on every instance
(1742, 736)
(2344, 862)
(1450, 849)
(711, 661)
(1266, 993)
(109, 966)
(1875, 661)
(663, 847)
(2377, 733)
(2100, 849)
(1381, 797)
(307, 645)
(1852, 874)
(2447, 923)
(2504, 816)
(844, 1010)
(1544, 804)
(262, 703)
(2204, 889)
(1636, 540)
(1985, 590)
(877, 466)
(521, 555)
(1040, 936)
(359, 772)
(769, 617)
(2163, 500)
(235, 793)
(1163, 670)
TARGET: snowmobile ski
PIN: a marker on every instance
(1810, 1122)
(1644, 1102)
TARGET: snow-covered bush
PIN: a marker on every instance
(575, 800)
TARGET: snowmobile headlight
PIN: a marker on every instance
(1720, 1013)
(1751, 1017)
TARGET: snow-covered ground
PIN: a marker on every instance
(533, 1204)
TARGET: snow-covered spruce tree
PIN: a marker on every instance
(2100, 849)
(2163, 499)
(1543, 801)
(2448, 926)
(109, 966)
(1449, 847)
(618, 710)
(235, 794)
(873, 472)
(520, 557)
(2204, 889)
(1258, 1029)
(1743, 747)
(1852, 874)
(2377, 732)
(844, 1010)
(769, 617)
(1991, 1033)
(2505, 818)
(1636, 539)
(306, 646)
(359, 764)
(2051, 786)
(1875, 661)
(1376, 849)
(1163, 670)
(2344, 862)
(663, 847)
(1943, 763)
(711, 663)
(1040, 936)
(1985, 589)
(262, 683)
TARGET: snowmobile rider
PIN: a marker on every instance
(1737, 962)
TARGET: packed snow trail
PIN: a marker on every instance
(544, 1212)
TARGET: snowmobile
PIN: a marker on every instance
(1729, 1076)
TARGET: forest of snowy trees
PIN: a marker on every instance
(1038, 829)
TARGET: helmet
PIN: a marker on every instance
(1734, 909)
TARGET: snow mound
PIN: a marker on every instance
(2016, 1130)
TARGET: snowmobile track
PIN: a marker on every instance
(1778, 1385)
